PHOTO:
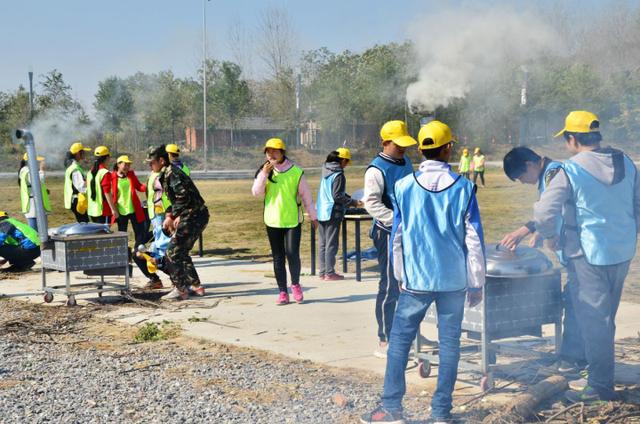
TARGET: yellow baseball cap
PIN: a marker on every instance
(465, 150)
(476, 150)
(343, 153)
(172, 148)
(123, 158)
(434, 134)
(275, 143)
(396, 131)
(77, 146)
(580, 121)
(101, 151)
(38, 158)
(3, 214)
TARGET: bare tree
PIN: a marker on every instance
(242, 49)
(277, 40)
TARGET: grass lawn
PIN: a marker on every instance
(236, 229)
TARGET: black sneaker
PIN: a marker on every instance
(381, 415)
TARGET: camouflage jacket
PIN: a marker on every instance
(181, 191)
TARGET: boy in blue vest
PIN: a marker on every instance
(600, 188)
(384, 170)
(19, 244)
(438, 255)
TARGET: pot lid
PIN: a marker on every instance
(81, 228)
(523, 261)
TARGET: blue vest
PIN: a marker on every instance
(433, 231)
(325, 202)
(542, 181)
(392, 173)
(604, 214)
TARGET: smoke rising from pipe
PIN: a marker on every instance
(457, 49)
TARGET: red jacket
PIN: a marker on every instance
(136, 185)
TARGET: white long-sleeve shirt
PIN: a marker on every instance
(373, 192)
(436, 176)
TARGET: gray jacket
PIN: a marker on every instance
(605, 164)
(338, 189)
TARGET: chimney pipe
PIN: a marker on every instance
(36, 187)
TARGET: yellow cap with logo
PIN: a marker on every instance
(123, 158)
(101, 151)
(77, 147)
(275, 143)
(580, 121)
(172, 148)
(396, 131)
(38, 158)
(434, 134)
(344, 153)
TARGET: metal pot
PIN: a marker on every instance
(524, 261)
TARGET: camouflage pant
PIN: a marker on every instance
(179, 265)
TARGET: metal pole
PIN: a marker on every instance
(30, 95)
(298, 90)
(524, 124)
(36, 188)
(204, 81)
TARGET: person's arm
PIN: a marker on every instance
(373, 190)
(547, 210)
(259, 184)
(396, 247)
(474, 243)
(78, 181)
(340, 197)
(304, 194)
(137, 184)
(107, 193)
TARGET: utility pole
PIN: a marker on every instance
(204, 81)
(298, 123)
(30, 96)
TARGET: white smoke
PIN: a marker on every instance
(457, 49)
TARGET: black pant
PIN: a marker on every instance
(80, 217)
(19, 257)
(285, 244)
(138, 227)
(388, 287)
(476, 174)
(100, 219)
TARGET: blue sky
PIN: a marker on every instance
(88, 40)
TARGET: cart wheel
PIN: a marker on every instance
(486, 383)
(99, 294)
(48, 297)
(424, 369)
(71, 300)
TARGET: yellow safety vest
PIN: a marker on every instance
(95, 206)
(478, 163)
(68, 182)
(25, 192)
(281, 207)
(155, 208)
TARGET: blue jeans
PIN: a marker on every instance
(409, 314)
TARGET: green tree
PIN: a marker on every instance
(231, 95)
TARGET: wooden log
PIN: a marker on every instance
(523, 407)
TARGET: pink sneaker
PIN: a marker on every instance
(283, 298)
(322, 277)
(333, 277)
(296, 289)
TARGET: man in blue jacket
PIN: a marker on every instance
(438, 256)
(599, 189)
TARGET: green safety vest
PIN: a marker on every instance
(68, 182)
(186, 170)
(95, 206)
(465, 163)
(151, 206)
(124, 198)
(29, 233)
(281, 207)
(25, 192)
(478, 164)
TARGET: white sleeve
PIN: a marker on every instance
(476, 268)
(396, 246)
(373, 191)
(78, 181)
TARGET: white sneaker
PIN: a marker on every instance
(381, 351)
(176, 294)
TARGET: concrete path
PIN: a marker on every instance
(335, 325)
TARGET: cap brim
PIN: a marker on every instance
(562, 131)
(86, 149)
(405, 141)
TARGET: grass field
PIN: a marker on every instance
(236, 229)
